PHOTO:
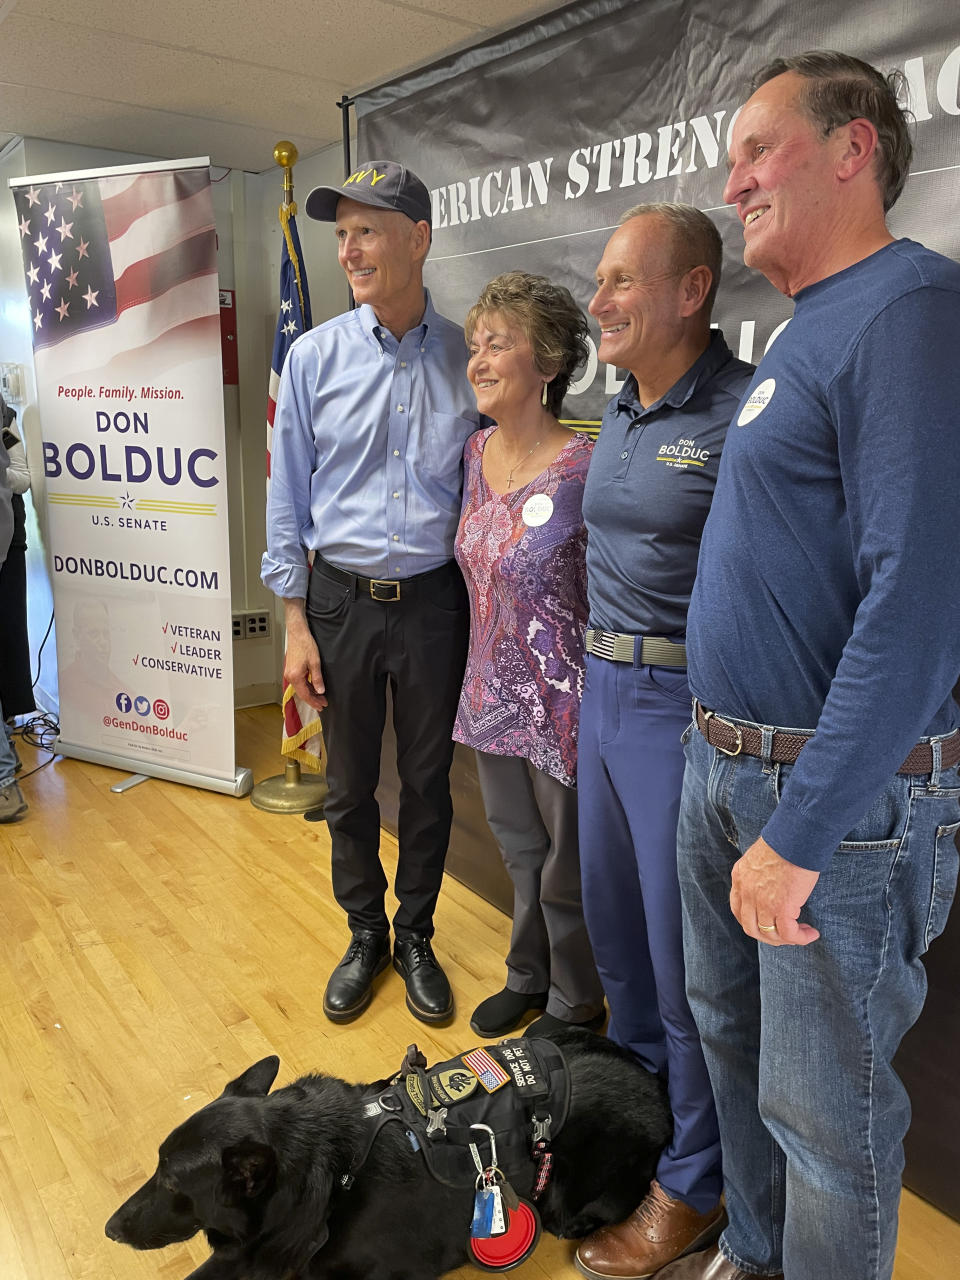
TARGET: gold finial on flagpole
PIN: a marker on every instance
(286, 154)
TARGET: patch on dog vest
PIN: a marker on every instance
(525, 1067)
(520, 1089)
(489, 1072)
(448, 1085)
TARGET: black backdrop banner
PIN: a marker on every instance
(534, 144)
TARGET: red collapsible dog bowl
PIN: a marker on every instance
(515, 1245)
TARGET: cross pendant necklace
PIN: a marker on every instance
(519, 462)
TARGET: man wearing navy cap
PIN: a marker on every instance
(372, 415)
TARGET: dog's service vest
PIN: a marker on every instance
(518, 1089)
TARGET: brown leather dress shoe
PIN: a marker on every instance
(710, 1264)
(659, 1230)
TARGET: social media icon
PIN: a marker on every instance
(142, 706)
(161, 709)
(123, 702)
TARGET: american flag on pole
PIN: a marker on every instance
(131, 253)
(301, 722)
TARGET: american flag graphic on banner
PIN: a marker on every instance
(132, 253)
(301, 722)
(120, 268)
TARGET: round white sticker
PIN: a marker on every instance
(760, 397)
(537, 509)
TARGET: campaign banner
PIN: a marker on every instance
(121, 274)
(535, 143)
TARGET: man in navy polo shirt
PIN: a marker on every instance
(647, 494)
(816, 840)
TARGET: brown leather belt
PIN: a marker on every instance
(734, 738)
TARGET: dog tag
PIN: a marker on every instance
(498, 1222)
(481, 1228)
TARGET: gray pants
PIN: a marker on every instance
(533, 818)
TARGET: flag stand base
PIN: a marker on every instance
(289, 792)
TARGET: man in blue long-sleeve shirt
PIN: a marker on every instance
(372, 415)
(816, 838)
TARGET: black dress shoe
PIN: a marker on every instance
(547, 1024)
(429, 997)
(349, 990)
(499, 1014)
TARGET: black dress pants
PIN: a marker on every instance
(419, 643)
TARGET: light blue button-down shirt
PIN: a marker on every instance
(368, 436)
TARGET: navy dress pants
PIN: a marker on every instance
(629, 780)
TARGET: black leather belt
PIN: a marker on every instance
(736, 738)
(385, 590)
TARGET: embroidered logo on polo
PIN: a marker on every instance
(683, 453)
(760, 397)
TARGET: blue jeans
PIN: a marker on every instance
(799, 1041)
(629, 775)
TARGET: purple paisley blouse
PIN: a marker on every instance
(527, 581)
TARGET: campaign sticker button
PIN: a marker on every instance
(537, 509)
(760, 397)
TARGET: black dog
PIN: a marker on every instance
(261, 1174)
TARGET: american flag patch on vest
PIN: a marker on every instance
(489, 1072)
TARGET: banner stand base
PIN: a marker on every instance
(241, 784)
(133, 781)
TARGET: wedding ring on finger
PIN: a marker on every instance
(767, 928)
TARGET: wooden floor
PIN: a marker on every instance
(152, 945)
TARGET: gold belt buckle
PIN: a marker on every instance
(375, 583)
(712, 715)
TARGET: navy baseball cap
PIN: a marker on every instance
(381, 183)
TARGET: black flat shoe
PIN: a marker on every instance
(429, 997)
(349, 990)
(499, 1014)
(547, 1024)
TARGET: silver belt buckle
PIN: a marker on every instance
(712, 715)
(603, 644)
(609, 645)
(376, 583)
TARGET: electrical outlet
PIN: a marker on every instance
(256, 625)
(237, 626)
(11, 383)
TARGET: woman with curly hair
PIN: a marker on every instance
(521, 546)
